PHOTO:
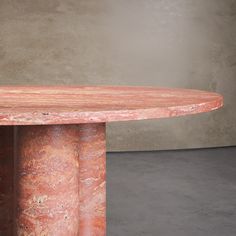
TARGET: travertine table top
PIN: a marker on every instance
(91, 104)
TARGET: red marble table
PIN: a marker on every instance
(53, 151)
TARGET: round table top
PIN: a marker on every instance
(91, 104)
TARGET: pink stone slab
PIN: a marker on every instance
(91, 104)
(60, 170)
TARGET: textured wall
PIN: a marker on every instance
(176, 43)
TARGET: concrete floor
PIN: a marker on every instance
(172, 193)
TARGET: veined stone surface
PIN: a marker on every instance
(92, 184)
(61, 180)
(47, 180)
(60, 184)
(84, 104)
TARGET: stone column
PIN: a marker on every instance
(47, 175)
(92, 184)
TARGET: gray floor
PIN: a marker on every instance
(172, 193)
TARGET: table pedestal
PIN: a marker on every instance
(92, 162)
(59, 181)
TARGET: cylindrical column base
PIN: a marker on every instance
(92, 161)
(60, 180)
(47, 173)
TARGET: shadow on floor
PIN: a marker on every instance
(172, 193)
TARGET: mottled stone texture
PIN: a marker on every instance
(99, 104)
(92, 159)
(47, 190)
(6, 180)
(60, 180)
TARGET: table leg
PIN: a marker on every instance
(47, 174)
(92, 161)
(6, 180)
(60, 173)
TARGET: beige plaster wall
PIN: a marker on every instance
(176, 43)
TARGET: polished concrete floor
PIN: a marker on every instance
(172, 193)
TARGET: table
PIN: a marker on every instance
(53, 151)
